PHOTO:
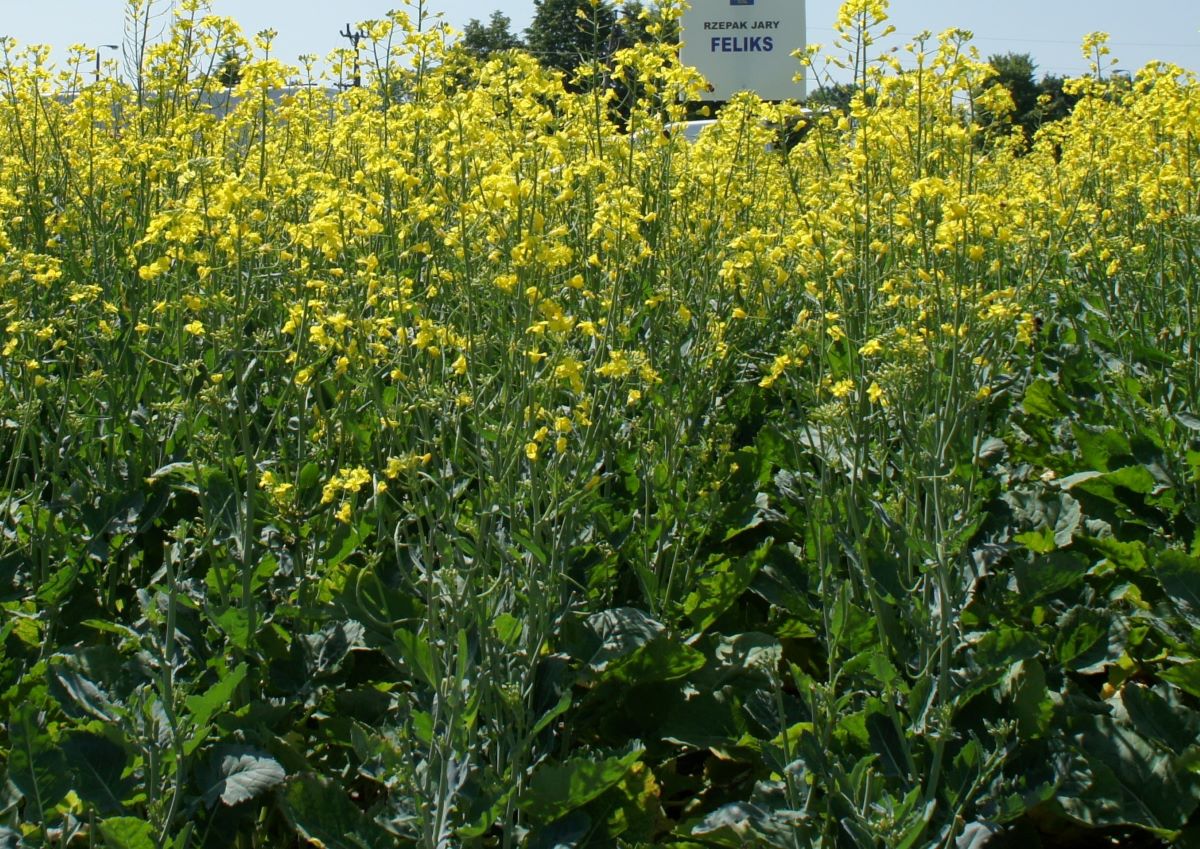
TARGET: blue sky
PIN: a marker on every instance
(1049, 30)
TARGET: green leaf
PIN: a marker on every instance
(98, 767)
(328, 648)
(1180, 578)
(1082, 640)
(1041, 400)
(127, 833)
(345, 541)
(36, 766)
(994, 654)
(557, 789)
(74, 690)
(717, 590)
(1112, 486)
(507, 629)
(635, 812)
(320, 812)
(1153, 717)
(57, 586)
(237, 774)
(216, 698)
(1185, 676)
(887, 743)
(705, 720)
(235, 622)
(620, 632)
(661, 659)
(309, 477)
(1132, 782)
(1039, 541)
(1051, 574)
(417, 654)
(1098, 449)
(1025, 689)
(220, 499)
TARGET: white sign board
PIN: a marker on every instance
(745, 45)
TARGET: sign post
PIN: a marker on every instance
(745, 45)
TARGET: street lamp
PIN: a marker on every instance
(97, 52)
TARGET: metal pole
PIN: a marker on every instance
(96, 50)
(354, 37)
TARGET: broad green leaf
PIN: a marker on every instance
(1180, 578)
(1025, 689)
(705, 720)
(993, 655)
(36, 766)
(1097, 449)
(557, 789)
(57, 586)
(724, 584)
(235, 622)
(1153, 717)
(661, 659)
(98, 767)
(636, 811)
(1041, 400)
(309, 477)
(216, 698)
(507, 629)
(1039, 541)
(417, 654)
(127, 833)
(1185, 676)
(1132, 782)
(620, 632)
(731, 824)
(221, 500)
(569, 832)
(977, 835)
(236, 774)
(345, 541)
(328, 648)
(74, 690)
(1051, 574)
(1081, 641)
(889, 745)
(1116, 486)
(320, 812)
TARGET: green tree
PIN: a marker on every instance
(565, 34)
(1015, 71)
(1053, 102)
(1034, 103)
(483, 40)
(835, 96)
(636, 21)
(229, 74)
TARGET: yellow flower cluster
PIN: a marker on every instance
(468, 259)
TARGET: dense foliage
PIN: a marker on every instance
(446, 463)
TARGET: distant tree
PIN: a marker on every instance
(836, 96)
(1015, 71)
(567, 33)
(637, 24)
(482, 40)
(1054, 103)
(1034, 103)
(229, 74)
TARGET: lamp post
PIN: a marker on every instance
(97, 52)
(354, 38)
